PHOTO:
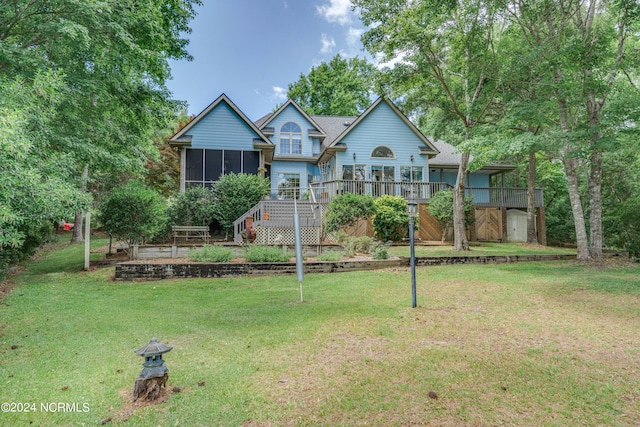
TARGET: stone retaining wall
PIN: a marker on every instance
(155, 271)
(142, 252)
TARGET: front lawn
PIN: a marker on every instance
(480, 249)
(555, 343)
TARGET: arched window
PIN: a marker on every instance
(382, 152)
(290, 139)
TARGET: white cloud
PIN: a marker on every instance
(328, 43)
(353, 38)
(380, 62)
(336, 11)
(280, 93)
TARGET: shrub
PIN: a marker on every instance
(33, 236)
(193, 207)
(330, 255)
(341, 237)
(380, 250)
(133, 212)
(211, 253)
(391, 220)
(235, 194)
(347, 209)
(261, 253)
(360, 244)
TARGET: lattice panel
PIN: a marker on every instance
(285, 236)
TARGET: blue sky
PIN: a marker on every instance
(252, 49)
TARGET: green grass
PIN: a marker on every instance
(481, 249)
(536, 344)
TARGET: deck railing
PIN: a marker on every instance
(279, 213)
(483, 197)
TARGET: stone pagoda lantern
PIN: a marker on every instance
(154, 376)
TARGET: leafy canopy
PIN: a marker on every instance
(340, 88)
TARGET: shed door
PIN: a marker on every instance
(516, 226)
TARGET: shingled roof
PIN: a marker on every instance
(450, 159)
(333, 126)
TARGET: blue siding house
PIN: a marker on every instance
(314, 158)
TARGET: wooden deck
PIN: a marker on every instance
(482, 197)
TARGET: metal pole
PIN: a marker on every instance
(87, 243)
(413, 264)
(298, 243)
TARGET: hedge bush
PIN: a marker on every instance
(133, 212)
(261, 253)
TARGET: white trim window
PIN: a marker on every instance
(383, 177)
(411, 173)
(288, 185)
(290, 139)
(382, 152)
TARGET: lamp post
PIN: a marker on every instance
(412, 211)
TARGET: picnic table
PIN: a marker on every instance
(190, 232)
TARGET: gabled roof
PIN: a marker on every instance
(264, 121)
(429, 148)
(182, 137)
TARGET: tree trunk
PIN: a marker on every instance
(571, 170)
(150, 389)
(570, 163)
(531, 200)
(77, 224)
(460, 241)
(595, 207)
(595, 180)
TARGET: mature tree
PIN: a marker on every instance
(621, 177)
(525, 120)
(621, 199)
(585, 45)
(36, 185)
(163, 171)
(341, 87)
(445, 63)
(114, 57)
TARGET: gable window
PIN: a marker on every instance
(288, 185)
(290, 139)
(382, 152)
(204, 167)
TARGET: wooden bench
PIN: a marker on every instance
(187, 232)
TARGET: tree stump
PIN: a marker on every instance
(149, 389)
